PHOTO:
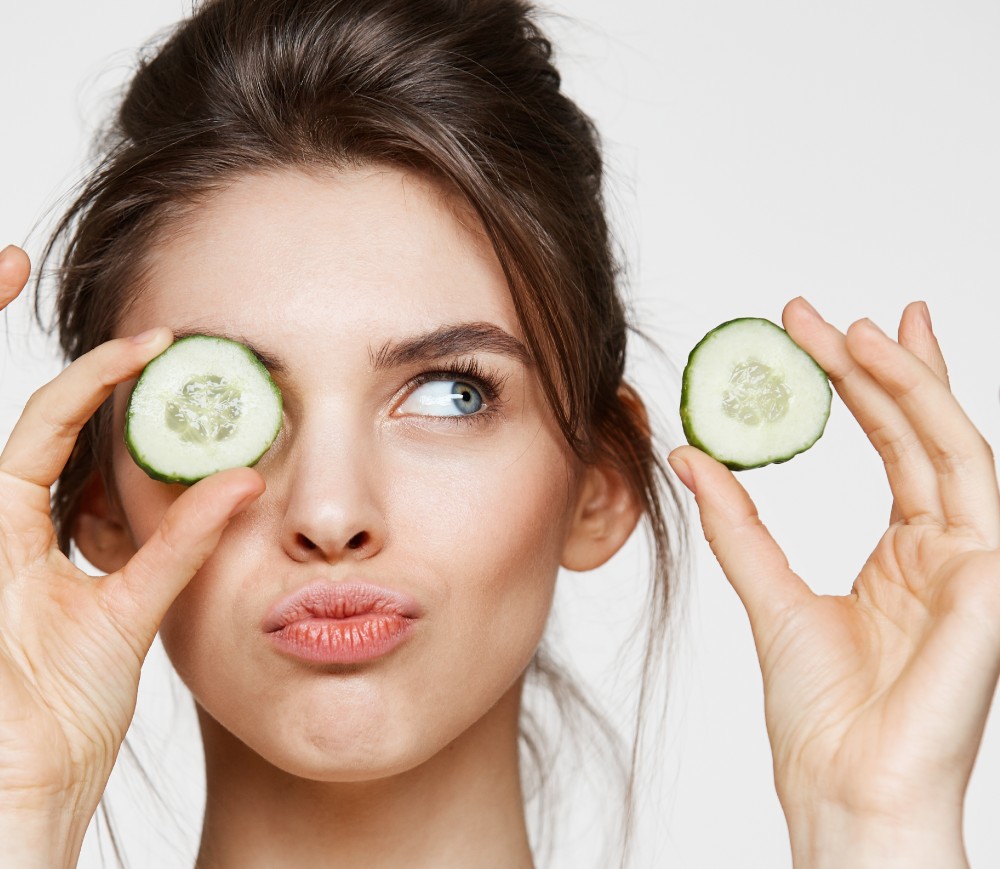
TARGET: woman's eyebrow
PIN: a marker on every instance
(449, 340)
(269, 361)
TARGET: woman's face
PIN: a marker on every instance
(466, 511)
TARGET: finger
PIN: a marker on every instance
(916, 334)
(961, 458)
(754, 564)
(15, 267)
(141, 592)
(44, 436)
(910, 473)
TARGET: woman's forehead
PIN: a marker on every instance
(359, 249)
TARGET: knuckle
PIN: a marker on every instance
(947, 463)
(967, 462)
(107, 364)
(719, 534)
(171, 534)
(903, 385)
(185, 525)
(103, 364)
(841, 371)
(61, 427)
(40, 406)
(987, 450)
(894, 447)
(36, 400)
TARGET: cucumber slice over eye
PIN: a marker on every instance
(751, 396)
(203, 405)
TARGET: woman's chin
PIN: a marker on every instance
(343, 748)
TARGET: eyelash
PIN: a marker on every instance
(487, 380)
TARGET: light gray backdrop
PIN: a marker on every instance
(844, 150)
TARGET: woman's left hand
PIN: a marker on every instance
(876, 701)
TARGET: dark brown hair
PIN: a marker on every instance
(464, 90)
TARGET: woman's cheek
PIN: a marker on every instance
(507, 493)
(490, 524)
(144, 500)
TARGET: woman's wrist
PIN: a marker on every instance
(834, 837)
(42, 839)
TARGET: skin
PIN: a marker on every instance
(875, 700)
(413, 756)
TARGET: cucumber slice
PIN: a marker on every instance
(751, 396)
(203, 405)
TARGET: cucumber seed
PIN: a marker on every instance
(756, 394)
(206, 409)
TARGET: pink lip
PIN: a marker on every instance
(341, 623)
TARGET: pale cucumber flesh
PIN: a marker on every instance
(203, 405)
(751, 396)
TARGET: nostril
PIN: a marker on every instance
(306, 542)
(358, 540)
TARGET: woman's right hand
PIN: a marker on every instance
(71, 645)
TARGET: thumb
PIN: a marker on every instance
(140, 594)
(754, 564)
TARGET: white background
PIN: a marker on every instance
(847, 151)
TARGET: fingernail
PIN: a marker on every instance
(926, 314)
(871, 325)
(809, 307)
(244, 502)
(3, 253)
(683, 471)
(145, 337)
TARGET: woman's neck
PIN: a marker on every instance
(462, 808)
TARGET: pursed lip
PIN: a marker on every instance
(344, 599)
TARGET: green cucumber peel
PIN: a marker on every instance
(203, 405)
(750, 396)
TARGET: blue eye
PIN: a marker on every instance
(444, 398)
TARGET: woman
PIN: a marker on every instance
(383, 199)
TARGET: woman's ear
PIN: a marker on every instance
(607, 511)
(99, 529)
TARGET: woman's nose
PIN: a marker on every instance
(333, 506)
